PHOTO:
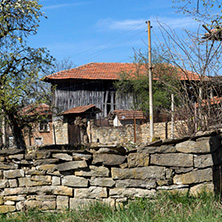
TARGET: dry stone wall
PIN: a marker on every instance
(57, 179)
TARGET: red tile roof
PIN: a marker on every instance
(107, 71)
(33, 109)
(129, 114)
(80, 109)
(212, 101)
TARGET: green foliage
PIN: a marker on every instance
(19, 63)
(164, 207)
(136, 84)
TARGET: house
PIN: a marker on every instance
(93, 83)
(40, 131)
(80, 91)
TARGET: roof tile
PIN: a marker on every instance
(108, 71)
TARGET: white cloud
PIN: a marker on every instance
(139, 24)
(120, 25)
(63, 5)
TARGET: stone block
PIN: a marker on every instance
(13, 183)
(157, 149)
(93, 171)
(81, 156)
(108, 159)
(8, 166)
(39, 178)
(62, 202)
(102, 182)
(172, 159)
(74, 181)
(4, 183)
(192, 177)
(45, 197)
(15, 198)
(41, 205)
(72, 165)
(91, 193)
(20, 206)
(172, 187)
(141, 173)
(45, 161)
(179, 170)
(9, 203)
(62, 190)
(17, 156)
(2, 158)
(202, 145)
(33, 181)
(56, 181)
(6, 209)
(62, 156)
(8, 152)
(200, 188)
(138, 160)
(49, 190)
(45, 167)
(131, 193)
(203, 161)
(148, 184)
(10, 174)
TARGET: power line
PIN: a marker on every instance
(99, 52)
(109, 40)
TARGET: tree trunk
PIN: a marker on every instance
(16, 131)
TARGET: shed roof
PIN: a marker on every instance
(108, 71)
(80, 109)
(34, 109)
(129, 114)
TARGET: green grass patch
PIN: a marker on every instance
(164, 208)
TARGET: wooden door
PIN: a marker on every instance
(74, 134)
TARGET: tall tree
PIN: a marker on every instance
(20, 64)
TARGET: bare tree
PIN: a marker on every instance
(200, 94)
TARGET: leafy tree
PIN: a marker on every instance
(136, 84)
(20, 64)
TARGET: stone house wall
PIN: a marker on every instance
(56, 179)
(115, 135)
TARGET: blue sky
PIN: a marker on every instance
(101, 30)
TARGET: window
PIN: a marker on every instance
(38, 141)
(44, 126)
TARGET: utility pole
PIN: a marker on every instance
(150, 82)
(172, 116)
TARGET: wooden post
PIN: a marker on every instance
(166, 130)
(54, 134)
(195, 117)
(150, 83)
(134, 123)
(172, 116)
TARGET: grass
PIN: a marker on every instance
(165, 208)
